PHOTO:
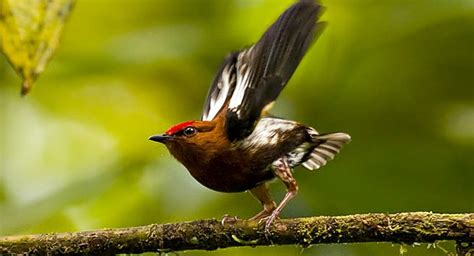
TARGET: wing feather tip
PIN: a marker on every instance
(330, 145)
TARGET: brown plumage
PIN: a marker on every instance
(236, 147)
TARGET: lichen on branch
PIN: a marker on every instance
(414, 227)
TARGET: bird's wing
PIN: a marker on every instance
(250, 80)
(221, 89)
(328, 146)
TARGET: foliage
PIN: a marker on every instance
(30, 31)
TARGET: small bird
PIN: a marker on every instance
(237, 146)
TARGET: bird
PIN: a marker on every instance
(237, 145)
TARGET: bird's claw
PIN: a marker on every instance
(268, 220)
(229, 220)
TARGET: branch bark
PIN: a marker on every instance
(420, 227)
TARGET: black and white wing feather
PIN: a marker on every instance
(221, 89)
(328, 146)
(252, 79)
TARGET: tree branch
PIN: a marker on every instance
(407, 228)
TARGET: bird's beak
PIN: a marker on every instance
(162, 138)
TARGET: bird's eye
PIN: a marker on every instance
(189, 131)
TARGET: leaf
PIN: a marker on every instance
(29, 34)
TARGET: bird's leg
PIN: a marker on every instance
(283, 172)
(261, 194)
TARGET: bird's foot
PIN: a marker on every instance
(268, 220)
(229, 220)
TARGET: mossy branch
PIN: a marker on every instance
(407, 228)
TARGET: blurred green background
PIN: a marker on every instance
(396, 75)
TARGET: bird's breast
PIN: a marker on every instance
(231, 173)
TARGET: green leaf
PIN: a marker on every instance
(30, 32)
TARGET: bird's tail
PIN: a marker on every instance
(328, 147)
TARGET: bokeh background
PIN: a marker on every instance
(397, 75)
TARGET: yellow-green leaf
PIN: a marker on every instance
(29, 34)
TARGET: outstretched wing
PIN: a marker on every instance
(221, 89)
(250, 80)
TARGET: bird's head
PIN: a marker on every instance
(192, 139)
(189, 132)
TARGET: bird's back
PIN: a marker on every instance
(273, 138)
